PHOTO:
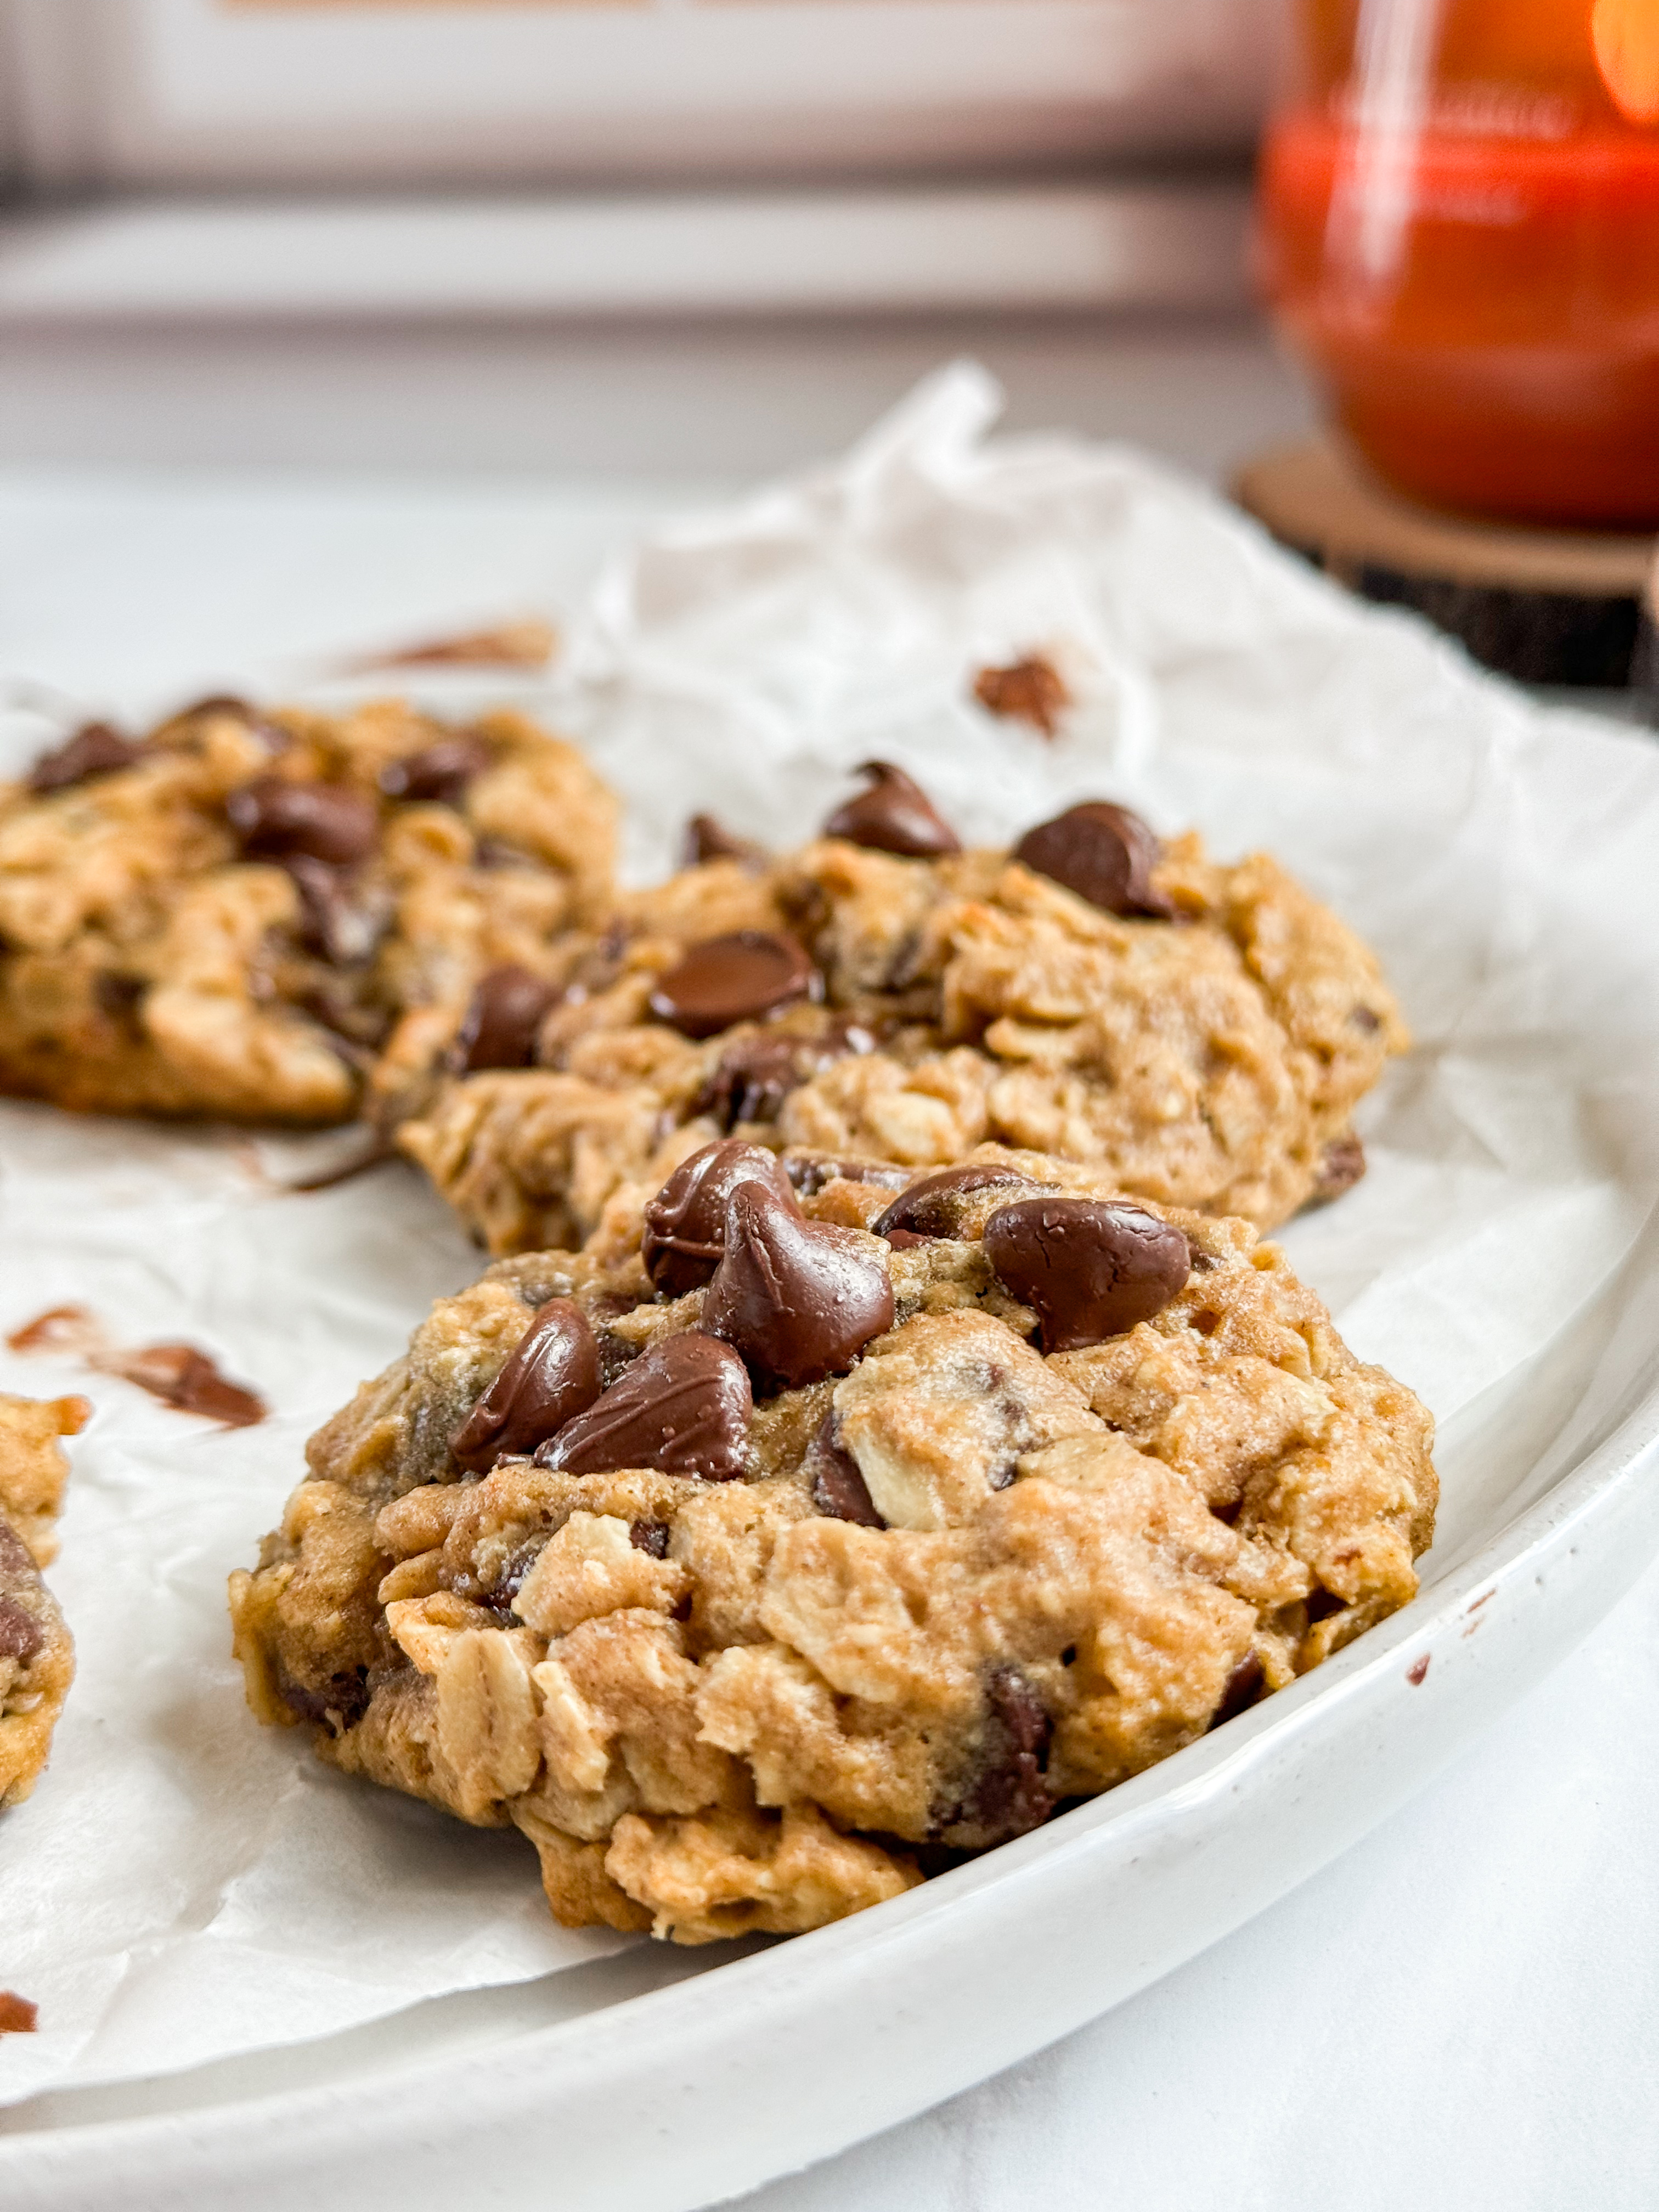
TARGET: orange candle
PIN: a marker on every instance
(1460, 233)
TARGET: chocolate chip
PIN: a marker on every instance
(551, 1375)
(799, 1299)
(504, 1019)
(514, 1573)
(740, 977)
(707, 839)
(335, 923)
(439, 772)
(1008, 1795)
(749, 1083)
(650, 1537)
(1030, 690)
(1364, 1017)
(343, 1698)
(1321, 1605)
(1102, 852)
(275, 819)
(1244, 1685)
(838, 1487)
(118, 995)
(932, 1207)
(1341, 1166)
(894, 815)
(1089, 1267)
(17, 2015)
(808, 1173)
(685, 1222)
(683, 1408)
(16, 1557)
(21, 1636)
(97, 749)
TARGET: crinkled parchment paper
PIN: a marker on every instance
(184, 1885)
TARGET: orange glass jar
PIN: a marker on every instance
(1459, 227)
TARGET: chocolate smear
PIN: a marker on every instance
(98, 749)
(682, 1408)
(932, 1207)
(1105, 853)
(839, 1489)
(799, 1299)
(551, 1375)
(528, 642)
(1341, 1165)
(276, 819)
(740, 977)
(1030, 690)
(181, 1377)
(1008, 1795)
(1089, 1268)
(707, 839)
(894, 815)
(685, 1222)
(439, 772)
(504, 1019)
(17, 2015)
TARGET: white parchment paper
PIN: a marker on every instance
(183, 1885)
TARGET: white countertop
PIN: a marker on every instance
(1465, 2010)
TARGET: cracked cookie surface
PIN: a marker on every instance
(821, 1522)
(37, 1658)
(269, 917)
(1202, 1038)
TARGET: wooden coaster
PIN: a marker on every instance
(1546, 606)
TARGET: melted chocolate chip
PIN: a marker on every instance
(276, 819)
(932, 1207)
(189, 1381)
(1244, 1685)
(504, 1019)
(1102, 852)
(752, 1079)
(1341, 1166)
(685, 1222)
(808, 1173)
(338, 926)
(799, 1299)
(740, 977)
(97, 749)
(1089, 1268)
(515, 1570)
(1008, 1795)
(650, 1537)
(707, 839)
(839, 1489)
(21, 1636)
(439, 772)
(344, 1698)
(551, 1376)
(894, 815)
(683, 1408)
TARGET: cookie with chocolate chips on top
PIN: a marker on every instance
(37, 1658)
(289, 916)
(821, 1522)
(1199, 1033)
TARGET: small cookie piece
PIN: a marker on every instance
(283, 916)
(1200, 1034)
(37, 1658)
(839, 1570)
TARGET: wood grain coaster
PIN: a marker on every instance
(1545, 606)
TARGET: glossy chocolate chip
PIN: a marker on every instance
(1102, 852)
(1341, 1165)
(1008, 1795)
(709, 839)
(894, 815)
(753, 1077)
(740, 977)
(686, 1222)
(683, 1408)
(439, 772)
(502, 1020)
(275, 819)
(932, 1207)
(799, 1299)
(21, 1636)
(97, 749)
(1089, 1268)
(839, 1489)
(551, 1376)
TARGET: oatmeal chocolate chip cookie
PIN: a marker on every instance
(1201, 1034)
(805, 1531)
(284, 917)
(37, 1659)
